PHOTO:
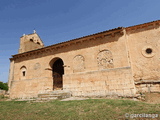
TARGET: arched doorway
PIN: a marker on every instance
(57, 73)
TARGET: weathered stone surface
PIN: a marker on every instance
(78, 63)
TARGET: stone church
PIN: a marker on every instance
(123, 61)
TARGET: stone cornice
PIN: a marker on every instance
(147, 82)
(109, 33)
(149, 25)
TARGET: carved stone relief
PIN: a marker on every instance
(105, 59)
(37, 66)
(78, 63)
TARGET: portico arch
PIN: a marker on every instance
(57, 73)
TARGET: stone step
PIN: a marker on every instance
(59, 91)
(47, 96)
(53, 95)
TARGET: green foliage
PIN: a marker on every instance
(3, 86)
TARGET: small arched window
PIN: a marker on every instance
(23, 71)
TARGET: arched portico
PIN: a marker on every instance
(57, 73)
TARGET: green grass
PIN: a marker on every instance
(91, 109)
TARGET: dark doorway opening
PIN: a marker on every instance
(58, 71)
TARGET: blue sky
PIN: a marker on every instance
(61, 20)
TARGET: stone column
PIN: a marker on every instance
(11, 73)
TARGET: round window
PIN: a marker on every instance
(148, 51)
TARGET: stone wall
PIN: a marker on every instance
(148, 87)
(144, 47)
(30, 88)
(96, 64)
(101, 83)
(94, 84)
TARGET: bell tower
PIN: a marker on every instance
(30, 42)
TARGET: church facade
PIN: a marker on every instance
(120, 61)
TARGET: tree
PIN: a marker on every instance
(3, 86)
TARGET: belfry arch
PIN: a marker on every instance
(57, 73)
